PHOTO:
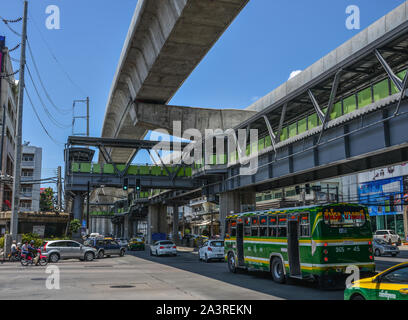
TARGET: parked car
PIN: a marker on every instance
(163, 247)
(211, 250)
(388, 235)
(140, 235)
(381, 247)
(122, 242)
(391, 284)
(106, 247)
(136, 244)
(67, 249)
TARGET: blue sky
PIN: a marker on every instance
(267, 41)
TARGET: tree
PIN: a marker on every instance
(74, 225)
(47, 200)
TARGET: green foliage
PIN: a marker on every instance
(1, 242)
(27, 237)
(74, 225)
(187, 231)
(47, 200)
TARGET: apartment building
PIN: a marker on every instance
(30, 176)
(8, 120)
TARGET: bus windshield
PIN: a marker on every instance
(344, 216)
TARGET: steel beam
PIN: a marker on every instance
(331, 102)
(397, 81)
(318, 110)
(282, 119)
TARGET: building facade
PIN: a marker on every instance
(8, 119)
(385, 192)
(30, 175)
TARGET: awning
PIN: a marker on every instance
(205, 223)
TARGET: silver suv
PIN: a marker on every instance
(388, 236)
(67, 249)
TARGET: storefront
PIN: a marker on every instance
(385, 202)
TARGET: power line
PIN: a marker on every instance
(55, 58)
(50, 116)
(61, 110)
(6, 22)
(39, 120)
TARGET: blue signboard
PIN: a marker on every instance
(382, 197)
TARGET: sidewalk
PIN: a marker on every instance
(186, 249)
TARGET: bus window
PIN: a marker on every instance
(228, 227)
(273, 226)
(247, 227)
(254, 226)
(304, 225)
(263, 229)
(344, 216)
(233, 228)
(282, 226)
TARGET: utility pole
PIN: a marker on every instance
(3, 126)
(87, 206)
(59, 189)
(17, 154)
(87, 116)
(4, 112)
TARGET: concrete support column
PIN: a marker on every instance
(175, 224)
(135, 223)
(107, 222)
(126, 226)
(156, 221)
(235, 202)
(92, 220)
(78, 206)
(406, 223)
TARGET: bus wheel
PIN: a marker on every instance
(357, 297)
(231, 263)
(277, 271)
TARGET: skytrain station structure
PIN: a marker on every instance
(347, 113)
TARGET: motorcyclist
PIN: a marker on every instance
(13, 247)
(25, 250)
(32, 250)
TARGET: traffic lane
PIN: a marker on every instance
(121, 278)
(254, 280)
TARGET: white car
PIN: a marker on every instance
(388, 236)
(211, 250)
(122, 242)
(163, 247)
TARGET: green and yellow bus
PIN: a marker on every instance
(313, 242)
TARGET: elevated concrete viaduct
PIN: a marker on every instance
(166, 41)
(155, 116)
(344, 114)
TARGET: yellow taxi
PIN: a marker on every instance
(391, 284)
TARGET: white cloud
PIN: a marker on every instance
(294, 74)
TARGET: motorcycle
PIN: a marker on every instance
(16, 256)
(38, 259)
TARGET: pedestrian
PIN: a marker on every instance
(13, 247)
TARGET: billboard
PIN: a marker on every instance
(382, 197)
